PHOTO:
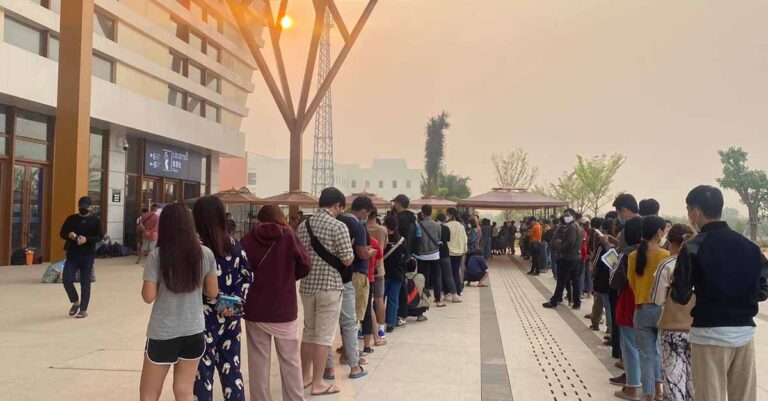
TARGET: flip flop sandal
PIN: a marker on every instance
(367, 350)
(328, 377)
(330, 390)
(380, 343)
(358, 375)
(362, 362)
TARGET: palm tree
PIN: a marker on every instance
(434, 152)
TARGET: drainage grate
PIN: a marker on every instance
(564, 381)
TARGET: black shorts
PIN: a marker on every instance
(168, 352)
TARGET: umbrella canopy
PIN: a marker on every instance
(231, 197)
(433, 201)
(294, 198)
(508, 198)
(378, 201)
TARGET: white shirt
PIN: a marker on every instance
(731, 337)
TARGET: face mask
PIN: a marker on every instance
(83, 211)
(621, 220)
(568, 219)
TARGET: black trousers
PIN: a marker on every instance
(613, 296)
(568, 272)
(83, 264)
(433, 277)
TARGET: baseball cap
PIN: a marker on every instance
(402, 199)
(84, 203)
(584, 220)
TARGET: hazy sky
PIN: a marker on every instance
(666, 83)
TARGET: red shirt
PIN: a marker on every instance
(584, 251)
(372, 261)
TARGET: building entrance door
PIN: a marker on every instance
(171, 191)
(150, 192)
(27, 212)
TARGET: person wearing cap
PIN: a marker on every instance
(81, 232)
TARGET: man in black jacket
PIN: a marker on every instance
(723, 268)
(408, 230)
(568, 244)
(81, 231)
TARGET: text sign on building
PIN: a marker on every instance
(116, 195)
(172, 162)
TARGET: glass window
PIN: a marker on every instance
(381, 183)
(196, 41)
(97, 149)
(2, 145)
(95, 185)
(3, 122)
(175, 98)
(367, 184)
(191, 190)
(103, 68)
(134, 158)
(31, 150)
(195, 105)
(177, 63)
(213, 52)
(195, 73)
(354, 184)
(212, 112)
(394, 183)
(215, 23)
(204, 172)
(32, 125)
(182, 30)
(55, 6)
(212, 81)
(252, 178)
(53, 48)
(408, 184)
(104, 25)
(23, 36)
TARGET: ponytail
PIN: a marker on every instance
(651, 226)
(642, 257)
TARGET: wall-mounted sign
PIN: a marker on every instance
(172, 162)
(116, 195)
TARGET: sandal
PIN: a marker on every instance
(367, 350)
(440, 304)
(330, 390)
(379, 343)
(74, 309)
(81, 315)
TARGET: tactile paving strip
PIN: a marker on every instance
(565, 383)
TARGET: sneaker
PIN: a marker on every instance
(576, 307)
(390, 329)
(382, 334)
(81, 315)
(549, 305)
(421, 318)
(74, 309)
(400, 322)
(360, 334)
(618, 380)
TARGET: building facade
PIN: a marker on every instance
(385, 177)
(169, 89)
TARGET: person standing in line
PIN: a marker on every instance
(429, 255)
(569, 255)
(370, 324)
(534, 235)
(473, 235)
(723, 268)
(231, 224)
(271, 309)
(409, 230)
(674, 324)
(140, 231)
(449, 286)
(177, 275)
(394, 265)
(641, 271)
(457, 247)
(81, 232)
(222, 329)
(378, 232)
(149, 227)
(602, 273)
(328, 243)
(486, 238)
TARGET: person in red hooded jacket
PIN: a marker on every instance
(278, 260)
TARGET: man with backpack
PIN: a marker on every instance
(407, 229)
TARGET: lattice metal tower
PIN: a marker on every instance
(322, 162)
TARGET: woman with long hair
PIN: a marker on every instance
(271, 311)
(222, 329)
(179, 271)
(473, 236)
(674, 324)
(641, 270)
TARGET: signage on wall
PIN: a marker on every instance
(116, 195)
(172, 162)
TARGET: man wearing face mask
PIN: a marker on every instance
(81, 231)
(568, 244)
(627, 209)
(723, 268)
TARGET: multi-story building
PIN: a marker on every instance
(169, 88)
(386, 177)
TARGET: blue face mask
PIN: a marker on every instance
(621, 220)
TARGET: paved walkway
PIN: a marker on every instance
(500, 344)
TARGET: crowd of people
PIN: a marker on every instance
(678, 300)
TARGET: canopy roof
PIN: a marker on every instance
(378, 201)
(433, 201)
(294, 198)
(508, 198)
(231, 197)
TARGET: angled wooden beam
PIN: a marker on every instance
(238, 11)
(326, 85)
(339, 20)
(309, 71)
(280, 16)
(279, 59)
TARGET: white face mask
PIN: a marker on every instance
(568, 219)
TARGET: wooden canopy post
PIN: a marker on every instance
(297, 120)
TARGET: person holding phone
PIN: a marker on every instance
(81, 231)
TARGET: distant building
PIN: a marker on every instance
(386, 177)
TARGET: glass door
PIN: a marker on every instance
(171, 192)
(149, 192)
(27, 211)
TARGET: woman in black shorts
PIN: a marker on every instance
(178, 272)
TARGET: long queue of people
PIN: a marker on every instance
(356, 275)
(678, 300)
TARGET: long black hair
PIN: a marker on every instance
(211, 224)
(392, 223)
(651, 226)
(181, 256)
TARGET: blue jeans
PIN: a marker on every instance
(646, 319)
(83, 264)
(392, 293)
(607, 307)
(587, 278)
(630, 356)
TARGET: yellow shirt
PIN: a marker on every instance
(643, 285)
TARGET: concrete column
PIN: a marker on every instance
(73, 116)
(116, 171)
(214, 173)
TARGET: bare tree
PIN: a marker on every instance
(514, 170)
